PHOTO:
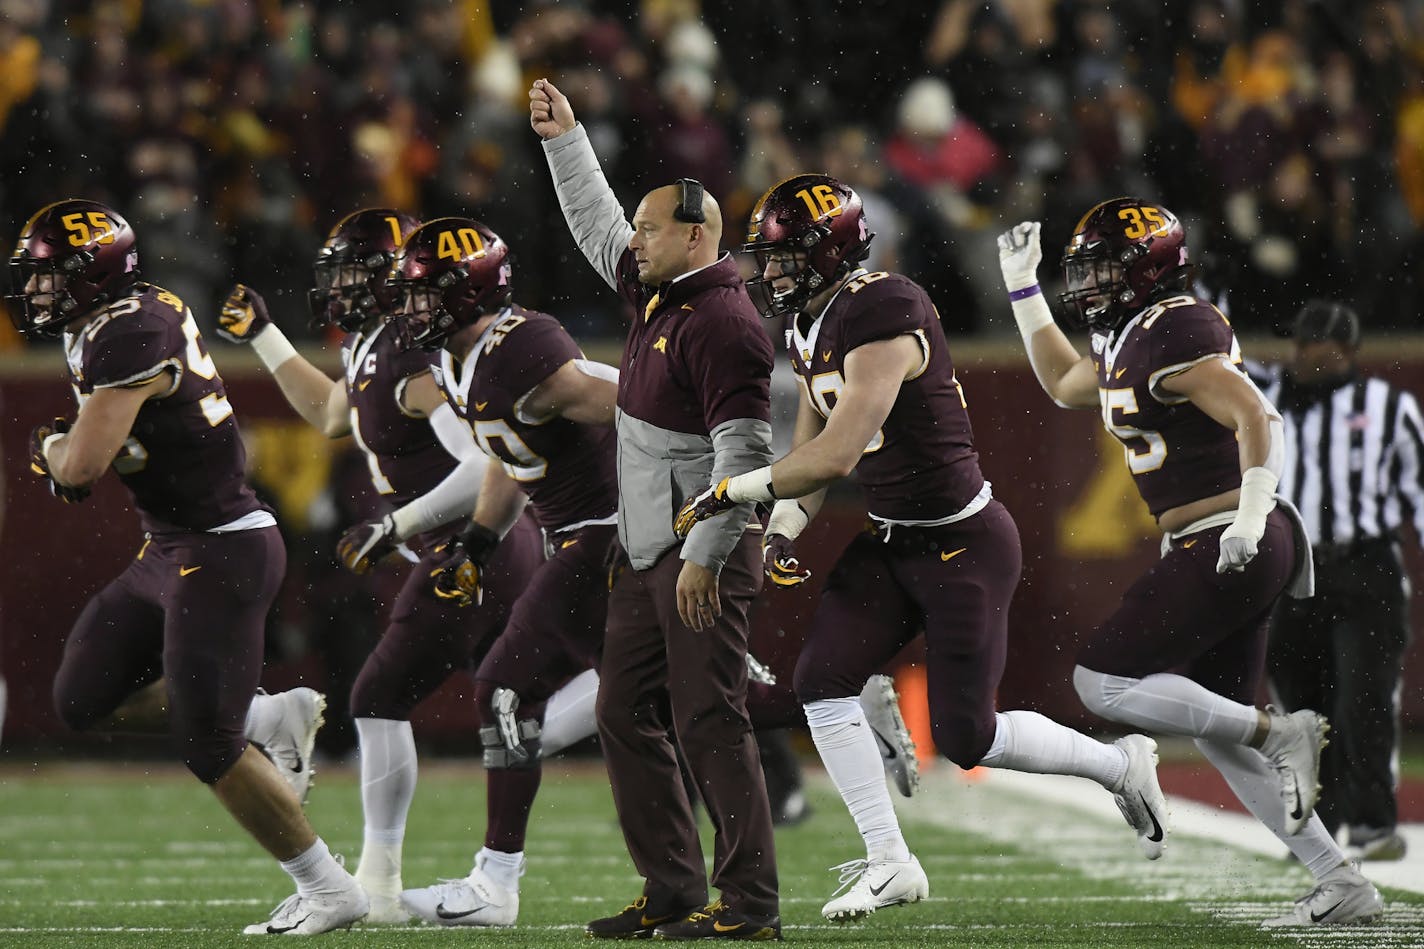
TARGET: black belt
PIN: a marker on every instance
(1325, 554)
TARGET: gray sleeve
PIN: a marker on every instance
(595, 217)
(739, 445)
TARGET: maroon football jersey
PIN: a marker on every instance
(183, 460)
(566, 468)
(921, 465)
(1176, 452)
(402, 451)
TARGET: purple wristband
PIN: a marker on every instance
(1017, 295)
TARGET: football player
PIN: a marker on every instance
(1183, 653)
(879, 398)
(192, 606)
(543, 414)
(425, 464)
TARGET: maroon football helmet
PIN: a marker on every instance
(447, 274)
(89, 252)
(1123, 253)
(352, 266)
(811, 215)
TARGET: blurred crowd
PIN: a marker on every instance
(1288, 136)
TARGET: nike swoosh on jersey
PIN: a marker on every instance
(361, 386)
(951, 554)
(1118, 374)
(567, 544)
(877, 892)
(184, 571)
(480, 406)
(1317, 917)
(825, 355)
(1188, 543)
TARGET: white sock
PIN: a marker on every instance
(569, 716)
(1028, 741)
(263, 717)
(852, 760)
(388, 771)
(504, 868)
(1166, 704)
(1254, 784)
(316, 871)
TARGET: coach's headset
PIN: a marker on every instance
(689, 209)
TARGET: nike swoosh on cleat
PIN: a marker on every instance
(278, 930)
(1156, 835)
(1297, 812)
(875, 892)
(444, 913)
(718, 927)
(887, 751)
(1315, 918)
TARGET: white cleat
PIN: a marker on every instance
(868, 886)
(897, 749)
(1343, 897)
(300, 915)
(386, 908)
(290, 745)
(1292, 748)
(476, 900)
(1140, 798)
(757, 671)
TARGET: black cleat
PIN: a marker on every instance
(720, 921)
(635, 922)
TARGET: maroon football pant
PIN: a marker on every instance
(428, 638)
(657, 674)
(954, 583)
(555, 632)
(191, 609)
(1181, 615)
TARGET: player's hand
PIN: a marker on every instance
(367, 544)
(39, 464)
(1237, 548)
(550, 114)
(782, 567)
(461, 576)
(1019, 255)
(709, 503)
(243, 316)
(698, 602)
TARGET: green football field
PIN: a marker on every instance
(140, 855)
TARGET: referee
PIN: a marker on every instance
(1353, 455)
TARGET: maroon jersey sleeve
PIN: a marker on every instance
(1183, 335)
(131, 346)
(886, 305)
(532, 351)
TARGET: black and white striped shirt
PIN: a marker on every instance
(1352, 458)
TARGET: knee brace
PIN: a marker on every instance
(510, 742)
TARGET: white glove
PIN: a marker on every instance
(1019, 255)
(1238, 542)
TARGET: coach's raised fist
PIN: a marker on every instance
(550, 114)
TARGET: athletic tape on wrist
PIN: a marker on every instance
(788, 518)
(272, 347)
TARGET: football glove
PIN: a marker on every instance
(461, 576)
(367, 544)
(1019, 255)
(243, 316)
(709, 503)
(782, 567)
(39, 464)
